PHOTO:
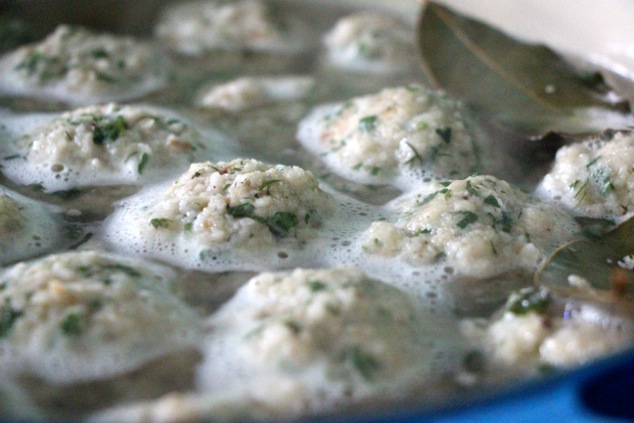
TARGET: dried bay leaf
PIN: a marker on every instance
(594, 261)
(527, 86)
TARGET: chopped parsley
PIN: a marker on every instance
(268, 184)
(123, 269)
(8, 316)
(472, 190)
(444, 133)
(160, 223)
(592, 162)
(279, 224)
(528, 300)
(316, 285)
(368, 123)
(73, 324)
(581, 192)
(91, 271)
(445, 191)
(492, 201)
(107, 131)
(143, 159)
(293, 326)
(51, 65)
(467, 219)
(506, 222)
(422, 231)
(241, 210)
(421, 126)
(365, 363)
(99, 53)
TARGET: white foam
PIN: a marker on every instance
(16, 166)
(338, 243)
(108, 346)
(225, 368)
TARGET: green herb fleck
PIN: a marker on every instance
(99, 53)
(423, 231)
(506, 222)
(444, 133)
(31, 62)
(467, 219)
(528, 300)
(143, 159)
(472, 190)
(123, 269)
(109, 131)
(293, 326)
(160, 223)
(267, 185)
(364, 363)
(206, 254)
(187, 227)
(8, 316)
(241, 210)
(581, 193)
(368, 123)
(281, 223)
(73, 324)
(316, 286)
(492, 201)
(592, 162)
(445, 191)
(474, 362)
(607, 186)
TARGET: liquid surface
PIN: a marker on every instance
(414, 267)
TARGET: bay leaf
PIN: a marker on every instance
(526, 85)
(596, 261)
